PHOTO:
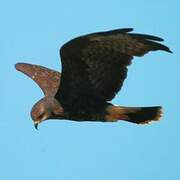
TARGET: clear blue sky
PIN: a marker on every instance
(32, 32)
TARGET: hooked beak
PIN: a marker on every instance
(36, 123)
(39, 120)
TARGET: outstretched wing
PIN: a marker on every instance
(94, 66)
(47, 79)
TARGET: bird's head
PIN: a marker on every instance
(46, 108)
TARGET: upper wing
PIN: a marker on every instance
(47, 79)
(95, 65)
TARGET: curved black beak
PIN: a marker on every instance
(36, 125)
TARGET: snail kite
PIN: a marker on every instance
(94, 67)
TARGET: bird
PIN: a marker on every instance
(94, 67)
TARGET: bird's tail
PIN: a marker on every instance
(138, 115)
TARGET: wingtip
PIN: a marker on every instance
(170, 51)
(167, 50)
(18, 66)
(146, 37)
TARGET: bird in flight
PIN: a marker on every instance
(94, 67)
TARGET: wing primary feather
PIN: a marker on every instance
(146, 36)
(157, 46)
(116, 31)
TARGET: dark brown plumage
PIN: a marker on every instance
(94, 67)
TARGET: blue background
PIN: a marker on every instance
(32, 32)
